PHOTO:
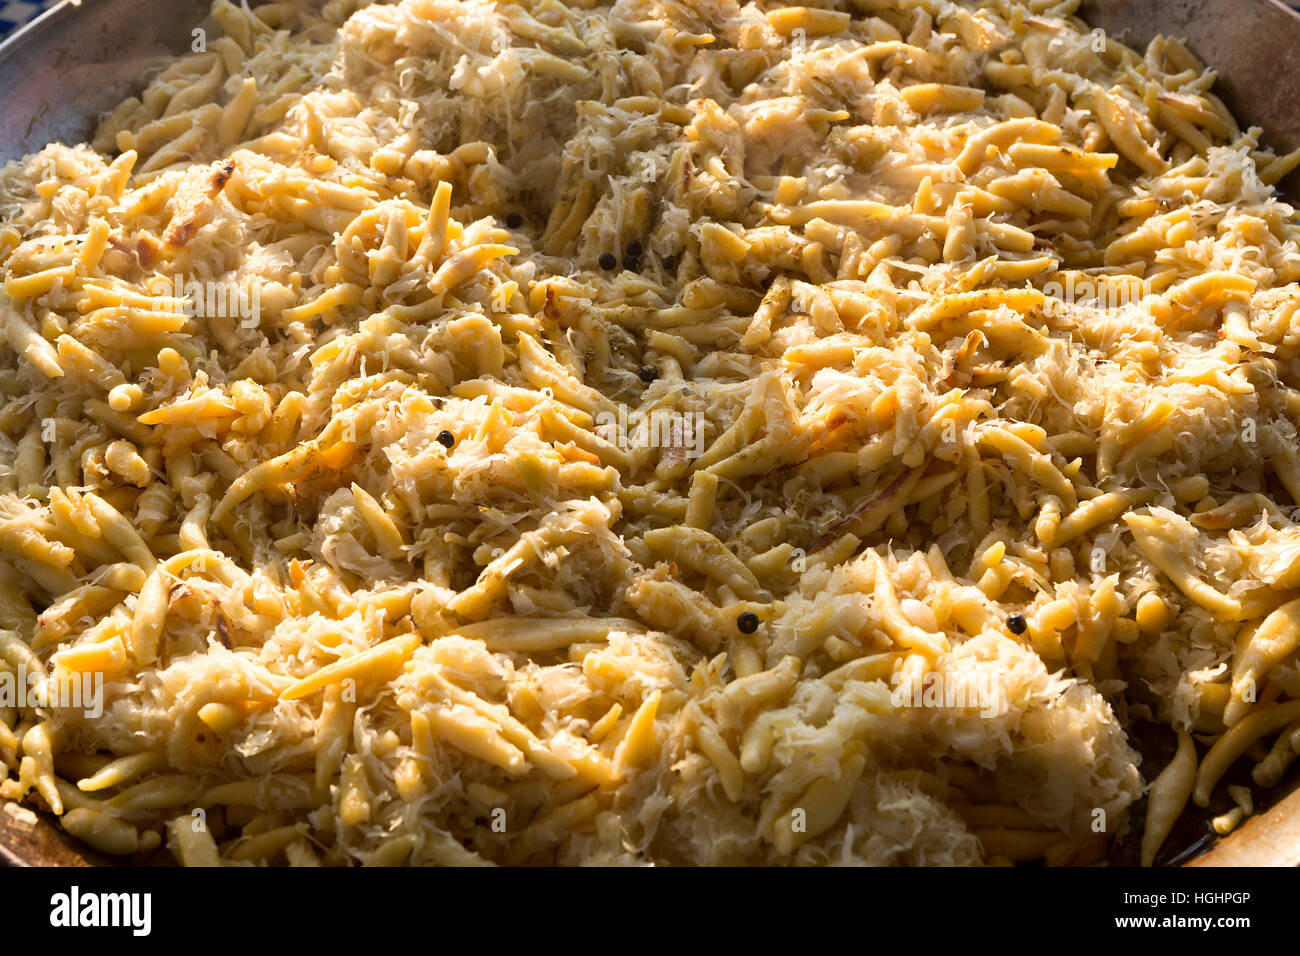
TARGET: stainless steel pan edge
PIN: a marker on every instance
(1253, 44)
(75, 62)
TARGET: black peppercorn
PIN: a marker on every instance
(647, 373)
(608, 261)
(446, 439)
(514, 220)
(747, 622)
(634, 248)
(1016, 624)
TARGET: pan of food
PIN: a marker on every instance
(448, 433)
